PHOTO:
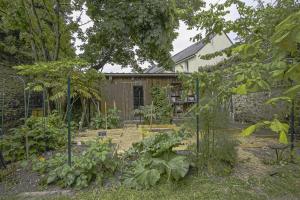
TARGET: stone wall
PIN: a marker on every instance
(253, 107)
(13, 97)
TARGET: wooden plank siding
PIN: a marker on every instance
(117, 90)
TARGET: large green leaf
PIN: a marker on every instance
(241, 89)
(248, 131)
(279, 127)
(178, 167)
(283, 138)
(275, 100)
(293, 90)
(148, 177)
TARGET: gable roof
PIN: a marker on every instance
(154, 69)
(191, 50)
(184, 54)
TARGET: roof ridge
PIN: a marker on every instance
(192, 49)
(187, 47)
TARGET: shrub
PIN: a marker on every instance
(44, 134)
(161, 102)
(148, 112)
(155, 161)
(113, 120)
(92, 164)
(220, 158)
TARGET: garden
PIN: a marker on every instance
(75, 149)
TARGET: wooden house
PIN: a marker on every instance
(128, 92)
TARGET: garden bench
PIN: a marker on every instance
(279, 149)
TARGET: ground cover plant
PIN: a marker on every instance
(93, 164)
(283, 185)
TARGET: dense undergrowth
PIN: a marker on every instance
(153, 160)
(111, 120)
(148, 163)
(42, 133)
(283, 185)
(93, 164)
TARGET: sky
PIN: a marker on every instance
(181, 42)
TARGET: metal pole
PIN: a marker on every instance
(197, 114)
(2, 111)
(2, 162)
(292, 127)
(69, 120)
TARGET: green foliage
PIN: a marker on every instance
(147, 112)
(158, 144)
(44, 134)
(98, 122)
(147, 171)
(275, 126)
(217, 155)
(95, 163)
(40, 30)
(118, 30)
(156, 161)
(84, 82)
(283, 185)
(52, 77)
(113, 120)
(161, 102)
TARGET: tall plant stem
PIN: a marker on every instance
(292, 128)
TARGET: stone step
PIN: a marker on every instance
(44, 194)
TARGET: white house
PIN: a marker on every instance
(189, 59)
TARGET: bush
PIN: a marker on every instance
(93, 164)
(44, 134)
(161, 102)
(155, 160)
(113, 120)
(148, 112)
(220, 158)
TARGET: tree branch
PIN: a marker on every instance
(41, 34)
(57, 30)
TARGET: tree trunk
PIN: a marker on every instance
(57, 31)
(83, 105)
(40, 31)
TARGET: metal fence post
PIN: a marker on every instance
(197, 114)
(69, 120)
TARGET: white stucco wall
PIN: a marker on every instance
(218, 43)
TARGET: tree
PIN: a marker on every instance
(52, 76)
(132, 32)
(45, 26)
(268, 48)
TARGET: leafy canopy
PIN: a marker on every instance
(132, 32)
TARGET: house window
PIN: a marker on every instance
(187, 66)
(138, 96)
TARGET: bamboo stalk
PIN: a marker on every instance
(105, 112)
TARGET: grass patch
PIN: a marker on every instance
(283, 185)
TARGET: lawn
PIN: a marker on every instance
(283, 185)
